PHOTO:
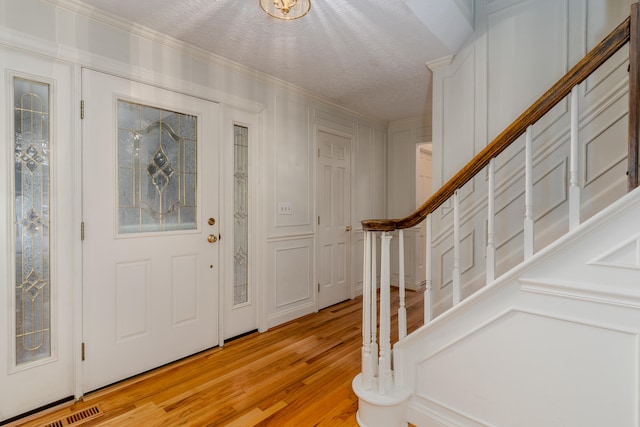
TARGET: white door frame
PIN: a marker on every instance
(349, 252)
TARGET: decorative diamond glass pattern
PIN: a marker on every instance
(31, 221)
(156, 169)
(241, 215)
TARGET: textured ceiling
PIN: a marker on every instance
(367, 55)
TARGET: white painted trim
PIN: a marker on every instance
(284, 316)
(439, 63)
(288, 237)
(78, 320)
(582, 292)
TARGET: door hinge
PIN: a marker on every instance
(318, 152)
(81, 109)
(82, 352)
(82, 231)
(318, 287)
(318, 219)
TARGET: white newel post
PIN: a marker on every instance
(380, 402)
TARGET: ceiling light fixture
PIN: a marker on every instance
(286, 9)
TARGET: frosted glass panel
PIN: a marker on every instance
(31, 220)
(241, 214)
(157, 171)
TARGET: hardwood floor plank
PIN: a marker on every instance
(297, 374)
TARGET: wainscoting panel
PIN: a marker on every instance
(542, 359)
(291, 288)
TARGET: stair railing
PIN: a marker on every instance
(377, 375)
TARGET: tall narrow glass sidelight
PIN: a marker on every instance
(241, 215)
(31, 221)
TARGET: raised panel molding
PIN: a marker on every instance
(291, 275)
(598, 147)
(293, 168)
(559, 168)
(485, 360)
(625, 255)
(528, 71)
(495, 6)
(585, 292)
(466, 259)
(614, 13)
(458, 119)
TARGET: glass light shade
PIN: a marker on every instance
(286, 9)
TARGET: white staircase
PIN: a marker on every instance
(553, 342)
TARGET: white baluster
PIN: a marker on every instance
(574, 189)
(528, 195)
(428, 311)
(367, 372)
(402, 311)
(374, 303)
(384, 364)
(491, 212)
(456, 249)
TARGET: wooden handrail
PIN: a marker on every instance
(594, 59)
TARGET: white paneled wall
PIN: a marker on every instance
(402, 188)
(284, 255)
(519, 49)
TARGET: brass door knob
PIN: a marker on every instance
(212, 238)
(348, 228)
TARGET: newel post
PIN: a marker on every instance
(381, 403)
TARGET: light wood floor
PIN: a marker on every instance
(298, 374)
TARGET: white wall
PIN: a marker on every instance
(402, 175)
(518, 50)
(287, 117)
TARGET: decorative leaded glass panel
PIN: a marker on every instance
(157, 160)
(31, 219)
(241, 215)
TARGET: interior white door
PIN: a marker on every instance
(36, 223)
(334, 221)
(150, 206)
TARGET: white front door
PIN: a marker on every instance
(334, 221)
(36, 239)
(150, 212)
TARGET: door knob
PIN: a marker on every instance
(212, 238)
(348, 228)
